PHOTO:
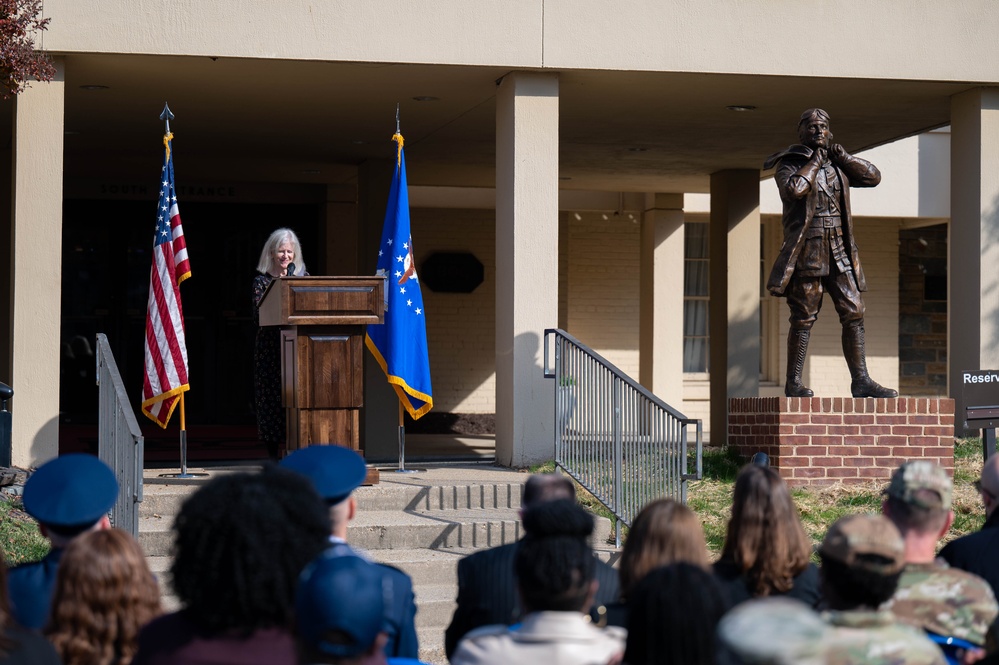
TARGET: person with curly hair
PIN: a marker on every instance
(104, 593)
(241, 542)
(19, 646)
(766, 551)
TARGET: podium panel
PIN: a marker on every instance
(336, 362)
(339, 426)
(322, 323)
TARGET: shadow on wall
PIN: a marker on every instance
(44, 445)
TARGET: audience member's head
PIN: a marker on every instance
(988, 486)
(554, 561)
(664, 532)
(70, 495)
(862, 559)
(542, 487)
(104, 593)
(765, 539)
(918, 499)
(241, 541)
(335, 472)
(339, 610)
(672, 615)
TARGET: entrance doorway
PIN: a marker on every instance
(107, 247)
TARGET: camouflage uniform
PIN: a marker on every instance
(945, 601)
(863, 637)
(781, 631)
(933, 596)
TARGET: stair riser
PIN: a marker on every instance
(446, 497)
(429, 536)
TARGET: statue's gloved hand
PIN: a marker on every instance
(838, 154)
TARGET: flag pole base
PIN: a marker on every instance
(183, 457)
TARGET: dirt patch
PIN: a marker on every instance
(462, 424)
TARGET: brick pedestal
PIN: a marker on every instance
(824, 440)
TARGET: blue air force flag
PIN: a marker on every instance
(400, 344)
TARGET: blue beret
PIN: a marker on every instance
(340, 604)
(335, 471)
(71, 492)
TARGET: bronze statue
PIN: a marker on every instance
(819, 254)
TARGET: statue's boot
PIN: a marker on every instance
(797, 347)
(853, 349)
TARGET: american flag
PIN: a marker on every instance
(165, 376)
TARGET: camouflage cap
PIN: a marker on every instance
(911, 480)
(852, 538)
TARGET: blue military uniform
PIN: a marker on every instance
(337, 471)
(67, 496)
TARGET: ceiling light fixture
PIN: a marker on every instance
(741, 107)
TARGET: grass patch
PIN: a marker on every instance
(19, 536)
(711, 497)
(819, 507)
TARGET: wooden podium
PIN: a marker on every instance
(322, 323)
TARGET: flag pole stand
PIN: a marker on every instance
(183, 450)
(402, 447)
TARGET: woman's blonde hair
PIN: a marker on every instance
(765, 539)
(276, 239)
(664, 532)
(104, 592)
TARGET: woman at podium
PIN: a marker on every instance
(282, 255)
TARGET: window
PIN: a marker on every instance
(695, 297)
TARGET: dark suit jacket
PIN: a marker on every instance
(978, 552)
(487, 592)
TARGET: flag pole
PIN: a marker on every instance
(166, 116)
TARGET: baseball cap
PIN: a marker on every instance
(340, 604)
(912, 477)
(852, 539)
(70, 493)
(334, 470)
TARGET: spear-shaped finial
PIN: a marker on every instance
(167, 116)
(397, 118)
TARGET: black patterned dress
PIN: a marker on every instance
(267, 375)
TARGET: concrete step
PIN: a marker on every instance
(165, 500)
(377, 530)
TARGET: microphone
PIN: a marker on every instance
(291, 270)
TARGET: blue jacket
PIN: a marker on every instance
(31, 587)
(400, 617)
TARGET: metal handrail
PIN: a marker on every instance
(119, 439)
(620, 442)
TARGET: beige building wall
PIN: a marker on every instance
(461, 327)
(603, 284)
(711, 36)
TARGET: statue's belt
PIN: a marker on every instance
(826, 222)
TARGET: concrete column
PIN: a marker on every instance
(339, 234)
(661, 298)
(380, 429)
(526, 264)
(973, 301)
(37, 268)
(734, 308)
